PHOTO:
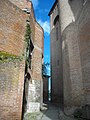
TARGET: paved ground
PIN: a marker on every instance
(52, 113)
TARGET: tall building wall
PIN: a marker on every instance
(24, 4)
(56, 60)
(12, 30)
(84, 43)
(34, 86)
(19, 83)
(75, 19)
(35, 91)
(35, 95)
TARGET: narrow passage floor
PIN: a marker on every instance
(52, 113)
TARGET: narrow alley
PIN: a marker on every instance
(44, 59)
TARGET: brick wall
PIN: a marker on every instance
(11, 90)
(37, 53)
(12, 31)
(12, 24)
(36, 85)
(22, 4)
(13, 27)
(37, 63)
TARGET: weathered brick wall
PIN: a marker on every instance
(22, 4)
(37, 61)
(12, 31)
(37, 53)
(11, 90)
(12, 28)
(35, 84)
(35, 93)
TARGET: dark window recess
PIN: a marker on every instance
(56, 19)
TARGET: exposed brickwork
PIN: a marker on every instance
(37, 53)
(11, 89)
(22, 4)
(12, 36)
(37, 60)
(12, 39)
(12, 31)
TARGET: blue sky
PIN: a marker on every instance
(42, 8)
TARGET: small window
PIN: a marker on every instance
(56, 19)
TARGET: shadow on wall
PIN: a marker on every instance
(76, 7)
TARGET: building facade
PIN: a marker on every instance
(74, 23)
(56, 62)
(21, 51)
